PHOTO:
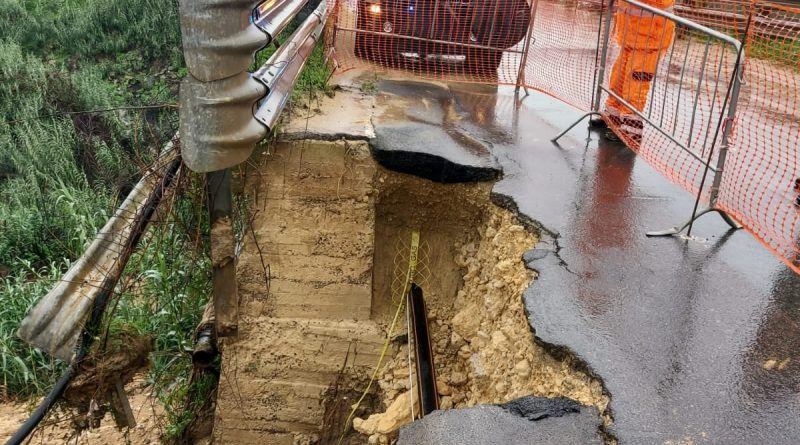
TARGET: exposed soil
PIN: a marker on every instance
(305, 287)
(316, 279)
(63, 425)
(483, 346)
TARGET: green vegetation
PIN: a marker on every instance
(63, 171)
(783, 51)
(315, 75)
(370, 86)
(187, 404)
(87, 100)
(313, 78)
(25, 370)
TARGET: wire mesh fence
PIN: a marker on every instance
(668, 87)
(679, 75)
(458, 40)
(760, 188)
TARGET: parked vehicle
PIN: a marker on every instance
(475, 31)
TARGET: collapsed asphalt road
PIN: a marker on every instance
(696, 341)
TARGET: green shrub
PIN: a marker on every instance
(63, 171)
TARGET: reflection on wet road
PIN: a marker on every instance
(697, 341)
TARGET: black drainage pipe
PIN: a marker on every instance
(205, 348)
(426, 372)
(92, 326)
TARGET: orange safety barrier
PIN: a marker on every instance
(475, 41)
(760, 187)
(555, 46)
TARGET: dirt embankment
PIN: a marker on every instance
(317, 280)
(484, 348)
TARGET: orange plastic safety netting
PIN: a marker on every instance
(685, 102)
(473, 41)
(760, 186)
(666, 91)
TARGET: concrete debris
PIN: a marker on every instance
(530, 420)
(386, 423)
(490, 355)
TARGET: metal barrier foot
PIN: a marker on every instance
(681, 227)
(591, 113)
(597, 123)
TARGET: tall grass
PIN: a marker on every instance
(25, 371)
(92, 28)
(63, 171)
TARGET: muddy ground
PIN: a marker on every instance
(63, 426)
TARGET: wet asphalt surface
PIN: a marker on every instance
(528, 420)
(697, 341)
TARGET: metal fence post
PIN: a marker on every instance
(601, 72)
(727, 129)
(223, 256)
(526, 47)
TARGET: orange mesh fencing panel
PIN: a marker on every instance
(562, 57)
(463, 40)
(686, 107)
(686, 75)
(759, 186)
(666, 93)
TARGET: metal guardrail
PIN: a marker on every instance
(219, 127)
(282, 70)
(58, 323)
(273, 16)
(55, 323)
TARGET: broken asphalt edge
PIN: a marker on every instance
(440, 169)
(535, 260)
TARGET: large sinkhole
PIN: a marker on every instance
(328, 237)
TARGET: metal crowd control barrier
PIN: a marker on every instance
(692, 96)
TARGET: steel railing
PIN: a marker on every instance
(693, 93)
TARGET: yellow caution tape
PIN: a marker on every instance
(409, 278)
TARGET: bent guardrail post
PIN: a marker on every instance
(45, 316)
(55, 323)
